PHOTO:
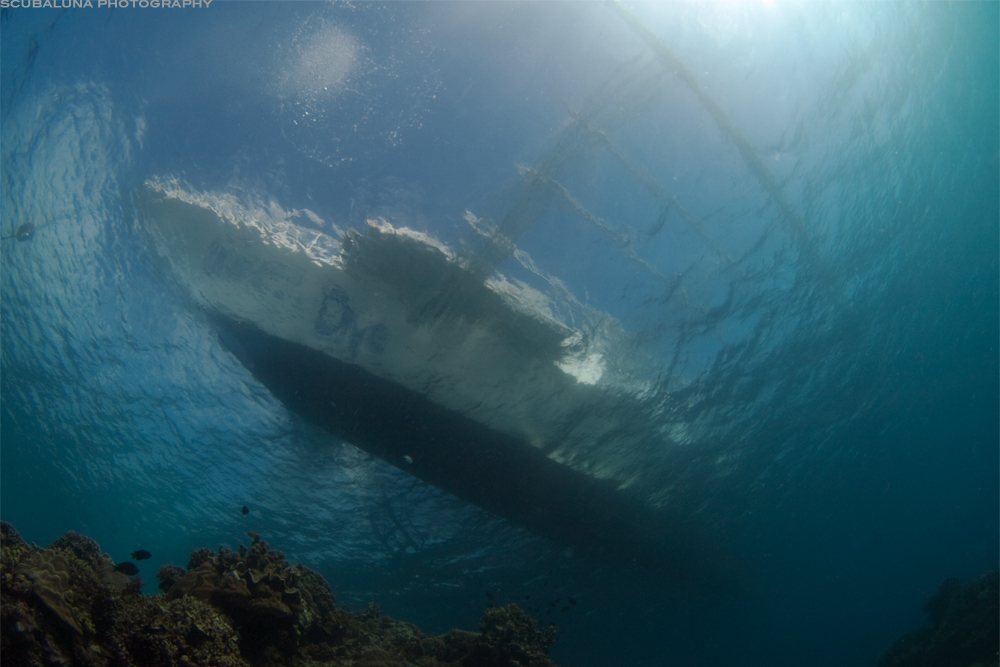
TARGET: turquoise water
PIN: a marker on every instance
(791, 211)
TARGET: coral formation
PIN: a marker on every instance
(49, 571)
(964, 631)
(66, 605)
(513, 637)
(52, 601)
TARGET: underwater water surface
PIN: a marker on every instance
(773, 228)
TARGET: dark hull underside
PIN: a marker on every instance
(492, 470)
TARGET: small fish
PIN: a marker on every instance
(24, 232)
(246, 510)
(141, 554)
(407, 458)
(127, 568)
(489, 596)
(572, 601)
(564, 609)
(253, 536)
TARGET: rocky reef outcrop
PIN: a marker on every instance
(964, 629)
(68, 605)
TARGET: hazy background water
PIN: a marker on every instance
(833, 363)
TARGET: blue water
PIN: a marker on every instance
(829, 344)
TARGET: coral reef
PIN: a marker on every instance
(66, 605)
(964, 631)
(49, 571)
